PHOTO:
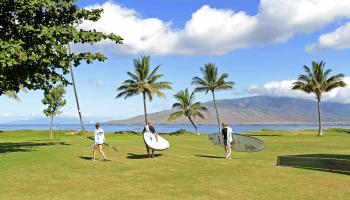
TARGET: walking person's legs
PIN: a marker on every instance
(229, 152)
(101, 151)
(152, 153)
(94, 148)
(149, 156)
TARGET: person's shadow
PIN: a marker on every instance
(90, 158)
(85, 157)
(140, 156)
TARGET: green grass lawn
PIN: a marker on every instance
(34, 167)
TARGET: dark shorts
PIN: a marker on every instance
(225, 142)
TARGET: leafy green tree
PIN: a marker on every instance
(54, 99)
(34, 42)
(185, 106)
(211, 82)
(317, 81)
(13, 94)
(143, 81)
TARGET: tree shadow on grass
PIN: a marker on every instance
(206, 156)
(140, 156)
(9, 147)
(264, 135)
(334, 163)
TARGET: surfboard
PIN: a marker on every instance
(241, 142)
(151, 142)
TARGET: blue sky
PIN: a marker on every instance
(260, 53)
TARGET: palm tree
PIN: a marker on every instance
(75, 93)
(144, 82)
(316, 81)
(211, 82)
(187, 107)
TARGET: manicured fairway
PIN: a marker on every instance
(34, 167)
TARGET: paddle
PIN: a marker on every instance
(108, 145)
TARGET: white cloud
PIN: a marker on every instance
(215, 31)
(284, 88)
(339, 39)
(6, 115)
(150, 35)
(96, 83)
(37, 114)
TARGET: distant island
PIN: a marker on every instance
(259, 110)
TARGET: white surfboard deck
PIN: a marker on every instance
(241, 143)
(151, 142)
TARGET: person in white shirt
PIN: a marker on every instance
(99, 139)
(227, 135)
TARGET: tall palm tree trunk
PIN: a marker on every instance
(51, 127)
(320, 133)
(75, 93)
(216, 110)
(144, 107)
(194, 125)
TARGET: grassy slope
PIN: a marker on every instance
(191, 169)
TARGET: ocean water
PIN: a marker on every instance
(161, 128)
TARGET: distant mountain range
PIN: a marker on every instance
(259, 110)
(57, 120)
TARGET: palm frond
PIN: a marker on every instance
(307, 70)
(133, 76)
(222, 78)
(334, 85)
(128, 87)
(298, 85)
(175, 115)
(154, 78)
(200, 82)
(127, 93)
(130, 82)
(304, 78)
(202, 89)
(225, 86)
(153, 73)
(198, 106)
(161, 85)
(327, 72)
(149, 95)
(335, 78)
(177, 106)
(200, 115)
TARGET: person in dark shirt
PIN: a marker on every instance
(227, 136)
(149, 128)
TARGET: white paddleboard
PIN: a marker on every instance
(242, 143)
(151, 141)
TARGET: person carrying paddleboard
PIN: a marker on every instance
(99, 139)
(149, 129)
(227, 135)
